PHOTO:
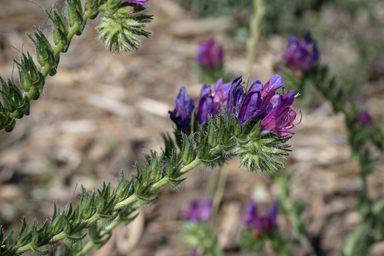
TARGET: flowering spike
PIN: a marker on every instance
(210, 55)
(299, 55)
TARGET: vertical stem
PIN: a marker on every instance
(212, 183)
(220, 189)
(254, 34)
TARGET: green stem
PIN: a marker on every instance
(190, 166)
(220, 190)
(56, 52)
(86, 249)
(212, 182)
(255, 32)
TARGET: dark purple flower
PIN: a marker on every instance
(262, 102)
(235, 97)
(210, 104)
(205, 106)
(210, 55)
(139, 2)
(301, 54)
(365, 118)
(198, 212)
(265, 223)
(182, 114)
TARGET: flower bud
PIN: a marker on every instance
(188, 152)
(74, 12)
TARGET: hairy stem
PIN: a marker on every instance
(255, 32)
(56, 52)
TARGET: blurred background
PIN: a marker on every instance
(102, 111)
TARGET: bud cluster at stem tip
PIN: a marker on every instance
(301, 55)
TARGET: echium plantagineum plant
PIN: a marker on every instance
(262, 228)
(118, 30)
(253, 123)
(197, 229)
(210, 61)
(363, 134)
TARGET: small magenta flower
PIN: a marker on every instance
(220, 95)
(139, 2)
(280, 116)
(182, 114)
(198, 212)
(301, 54)
(365, 118)
(210, 55)
(259, 223)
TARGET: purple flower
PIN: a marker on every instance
(198, 212)
(139, 2)
(210, 55)
(262, 102)
(365, 118)
(265, 223)
(280, 116)
(210, 104)
(205, 106)
(182, 114)
(299, 54)
(221, 95)
(194, 252)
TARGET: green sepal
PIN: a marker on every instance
(169, 144)
(10, 126)
(36, 96)
(8, 241)
(53, 70)
(44, 51)
(60, 30)
(95, 237)
(66, 225)
(24, 235)
(146, 200)
(74, 12)
(36, 251)
(188, 150)
(176, 182)
(126, 221)
(77, 238)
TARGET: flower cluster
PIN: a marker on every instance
(256, 102)
(259, 223)
(299, 54)
(365, 118)
(210, 55)
(198, 212)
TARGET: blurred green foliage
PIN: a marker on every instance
(281, 16)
